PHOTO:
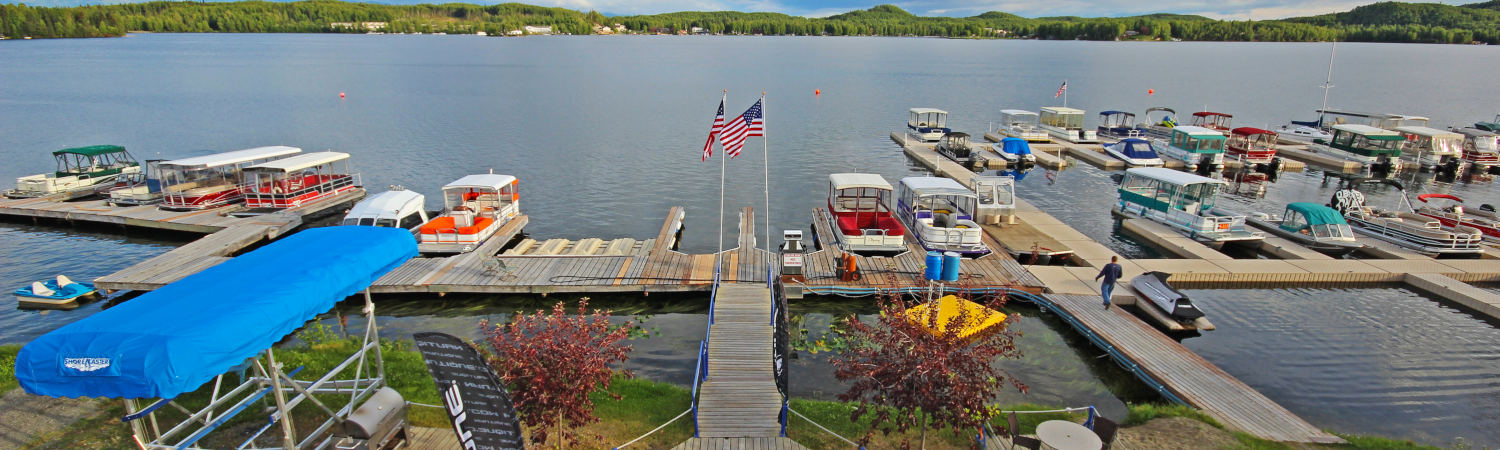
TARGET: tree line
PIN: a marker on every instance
(1380, 22)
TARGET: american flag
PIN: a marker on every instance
(1061, 89)
(708, 146)
(751, 123)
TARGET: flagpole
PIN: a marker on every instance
(723, 163)
(1065, 93)
(766, 148)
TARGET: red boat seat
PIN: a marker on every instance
(851, 225)
(445, 224)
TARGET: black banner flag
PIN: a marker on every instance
(476, 402)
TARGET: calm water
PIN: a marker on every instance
(605, 133)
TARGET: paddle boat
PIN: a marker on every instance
(1135, 152)
(1216, 121)
(138, 188)
(1182, 201)
(1022, 124)
(1311, 225)
(1253, 146)
(997, 197)
(955, 146)
(1481, 149)
(1378, 149)
(474, 208)
(1154, 286)
(396, 208)
(969, 319)
(81, 171)
(859, 208)
(1454, 214)
(297, 180)
(1118, 125)
(1158, 122)
(1403, 226)
(1201, 149)
(940, 214)
(53, 293)
(1433, 149)
(212, 181)
(927, 124)
(1015, 151)
(1067, 124)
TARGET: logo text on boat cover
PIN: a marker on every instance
(88, 366)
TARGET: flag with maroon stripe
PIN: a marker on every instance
(708, 146)
(751, 123)
(1060, 90)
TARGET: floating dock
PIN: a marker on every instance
(738, 397)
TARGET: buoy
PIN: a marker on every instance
(341, 95)
(1151, 92)
(817, 92)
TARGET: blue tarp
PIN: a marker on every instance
(179, 337)
(1015, 146)
(1136, 149)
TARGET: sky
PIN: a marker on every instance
(1218, 9)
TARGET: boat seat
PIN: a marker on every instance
(63, 280)
(38, 289)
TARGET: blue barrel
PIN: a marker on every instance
(934, 266)
(950, 266)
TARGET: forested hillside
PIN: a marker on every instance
(1380, 22)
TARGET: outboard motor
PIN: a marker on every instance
(1206, 169)
(1487, 207)
(1381, 169)
(1117, 177)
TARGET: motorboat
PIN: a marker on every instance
(939, 212)
(53, 293)
(1182, 201)
(1135, 152)
(955, 146)
(1403, 226)
(1067, 124)
(1252, 146)
(1118, 125)
(1378, 149)
(1154, 286)
(1384, 121)
(81, 171)
(1481, 149)
(396, 208)
(1433, 149)
(1303, 132)
(927, 124)
(1311, 225)
(474, 208)
(212, 181)
(997, 197)
(1216, 121)
(1452, 213)
(297, 180)
(1022, 124)
(859, 208)
(1201, 149)
(1015, 151)
(1158, 122)
(1492, 126)
(138, 188)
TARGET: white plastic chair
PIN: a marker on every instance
(38, 289)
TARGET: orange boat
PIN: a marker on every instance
(474, 207)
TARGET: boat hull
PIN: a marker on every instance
(1163, 296)
(1181, 222)
(1336, 249)
(1134, 162)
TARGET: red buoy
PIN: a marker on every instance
(817, 92)
(341, 95)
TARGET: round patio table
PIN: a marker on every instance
(1065, 435)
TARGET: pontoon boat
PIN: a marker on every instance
(1159, 127)
(1481, 149)
(1432, 148)
(1379, 150)
(1403, 226)
(1311, 225)
(1454, 214)
(138, 188)
(1118, 125)
(474, 208)
(297, 180)
(396, 208)
(1135, 152)
(940, 214)
(80, 171)
(1200, 148)
(1251, 145)
(859, 208)
(1216, 121)
(1067, 124)
(1182, 201)
(927, 124)
(1022, 124)
(1015, 151)
(211, 181)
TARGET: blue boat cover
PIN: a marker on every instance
(1015, 146)
(179, 337)
(1111, 113)
(1136, 148)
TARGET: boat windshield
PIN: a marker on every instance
(1332, 231)
(995, 193)
(862, 199)
(1188, 142)
(1447, 145)
(1195, 197)
(1362, 141)
(946, 204)
(1064, 120)
(1483, 143)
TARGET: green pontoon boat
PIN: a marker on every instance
(80, 171)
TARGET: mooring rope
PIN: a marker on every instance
(648, 433)
(825, 430)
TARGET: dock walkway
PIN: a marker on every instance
(739, 398)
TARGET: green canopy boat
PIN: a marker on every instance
(80, 171)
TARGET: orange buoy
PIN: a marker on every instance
(817, 92)
(341, 95)
(1151, 92)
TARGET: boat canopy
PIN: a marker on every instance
(1250, 131)
(175, 339)
(1197, 132)
(858, 180)
(1211, 114)
(1015, 146)
(1475, 133)
(1017, 112)
(922, 186)
(1135, 148)
(1429, 132)
(1061, 110)
(299, 162)
(92, 150)
(1171, 176)
(481, 181)
(927, 111)
(1113, 112)
(1369, 132)
(1317, 214)
(232, 158)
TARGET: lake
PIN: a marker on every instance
(605, 134)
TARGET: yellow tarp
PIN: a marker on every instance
(979, 318)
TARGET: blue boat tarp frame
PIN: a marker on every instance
(226, 318)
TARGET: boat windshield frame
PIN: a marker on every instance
(1191, 139)
(74, 163)
(927, 118)
(1061, 117)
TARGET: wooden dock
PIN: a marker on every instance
(738, 397)
(771, 443)
(1182, 374)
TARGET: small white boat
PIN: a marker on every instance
(139, 188)
(1433, 149)
(1158, 122)
(474, 208)
(1182, 201)
(997, 197)
(940, 214)
(80, 172)
(1404, 227)
(57, 292)
(955, 146)
(927, 124)
(1154, 286)
(1015, 151)
(396, 208)
(859, 208)
(1022, 124)
(1067, 124)
(1301, 132)
(1312, 225)
(1135, 152)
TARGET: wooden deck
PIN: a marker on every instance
(1182, 373)
(739, 398)
(149, 216)
(431, 438)
(772, 443)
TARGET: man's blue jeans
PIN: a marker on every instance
(1106, 289)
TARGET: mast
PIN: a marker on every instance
(1327, 83)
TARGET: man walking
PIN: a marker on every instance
(1111, 273)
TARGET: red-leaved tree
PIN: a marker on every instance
(552, 361)
(905, 376)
